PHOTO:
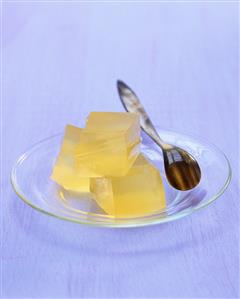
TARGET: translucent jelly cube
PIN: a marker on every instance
(110, 143)
(127, 124)
(139, 193)
(106, 154)
(66, 172)
(69, 181)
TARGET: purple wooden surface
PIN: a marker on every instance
(60, 61)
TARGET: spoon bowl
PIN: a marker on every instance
(182, 170)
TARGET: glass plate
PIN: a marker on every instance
(30, 178)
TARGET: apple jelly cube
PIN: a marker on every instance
(126, 124)
(66, 172)
(105, 154)
(139, 193)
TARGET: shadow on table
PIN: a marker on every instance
(79, 239)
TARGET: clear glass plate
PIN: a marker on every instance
(31, 181)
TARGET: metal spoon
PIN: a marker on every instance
(182, 170)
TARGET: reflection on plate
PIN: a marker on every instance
(31, 181)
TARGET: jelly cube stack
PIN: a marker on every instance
(104, 158)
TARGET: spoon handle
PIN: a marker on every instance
(131, 103)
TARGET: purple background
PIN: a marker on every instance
(60, 61)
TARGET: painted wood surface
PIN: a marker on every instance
(60, 61)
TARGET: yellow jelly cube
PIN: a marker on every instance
(110, 143)
(126, 124)
(66, 171)
(106, 153)
(68, 179)
(139, 193)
